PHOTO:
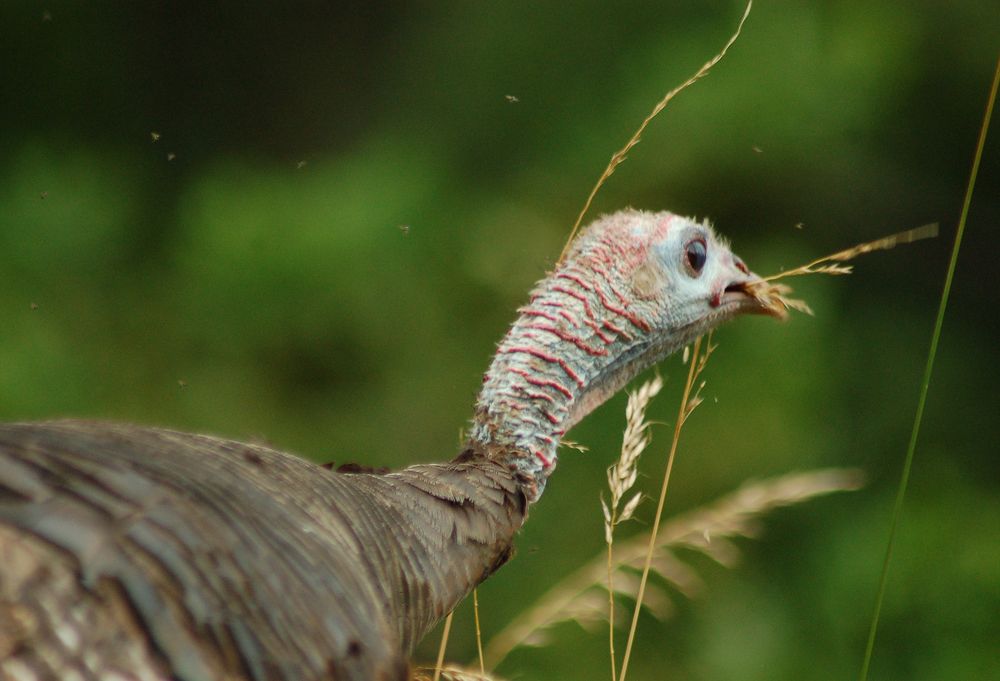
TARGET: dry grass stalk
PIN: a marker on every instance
(622, 475)
(479, 633)
(694, 400)
(621, 478)
(708, 530)
(885, 243)
(444, 644)
(689, 402)
(452, 674)
(619, 157)
(775, 296)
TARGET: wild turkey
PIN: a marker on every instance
(139, 553)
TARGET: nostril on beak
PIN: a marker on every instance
(740, 265)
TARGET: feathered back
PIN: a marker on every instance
(160, 554)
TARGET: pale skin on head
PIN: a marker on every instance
(635, 287)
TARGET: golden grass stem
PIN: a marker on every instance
(444, 645)
(611, 615)
(681, 416)
(775, 297)
(821, 265)
(619, 156)
(479, 634)
(621, 477)
(928, 370)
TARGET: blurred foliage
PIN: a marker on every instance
(343, 209)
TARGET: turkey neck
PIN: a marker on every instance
(586, 331)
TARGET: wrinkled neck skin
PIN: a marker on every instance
(589, 328)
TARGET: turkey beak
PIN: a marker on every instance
(744, 292)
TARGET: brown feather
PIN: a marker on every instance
(162, 554)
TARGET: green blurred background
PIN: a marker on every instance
(345, 206)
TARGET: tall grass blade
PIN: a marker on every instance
(928, 370)
(621, 476)
(438, 665)
(479, 633)
(693, 371)
(619, 157)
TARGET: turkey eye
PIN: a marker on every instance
(696, 254)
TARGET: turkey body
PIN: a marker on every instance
(137, 553)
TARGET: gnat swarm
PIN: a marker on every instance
(139, 553)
